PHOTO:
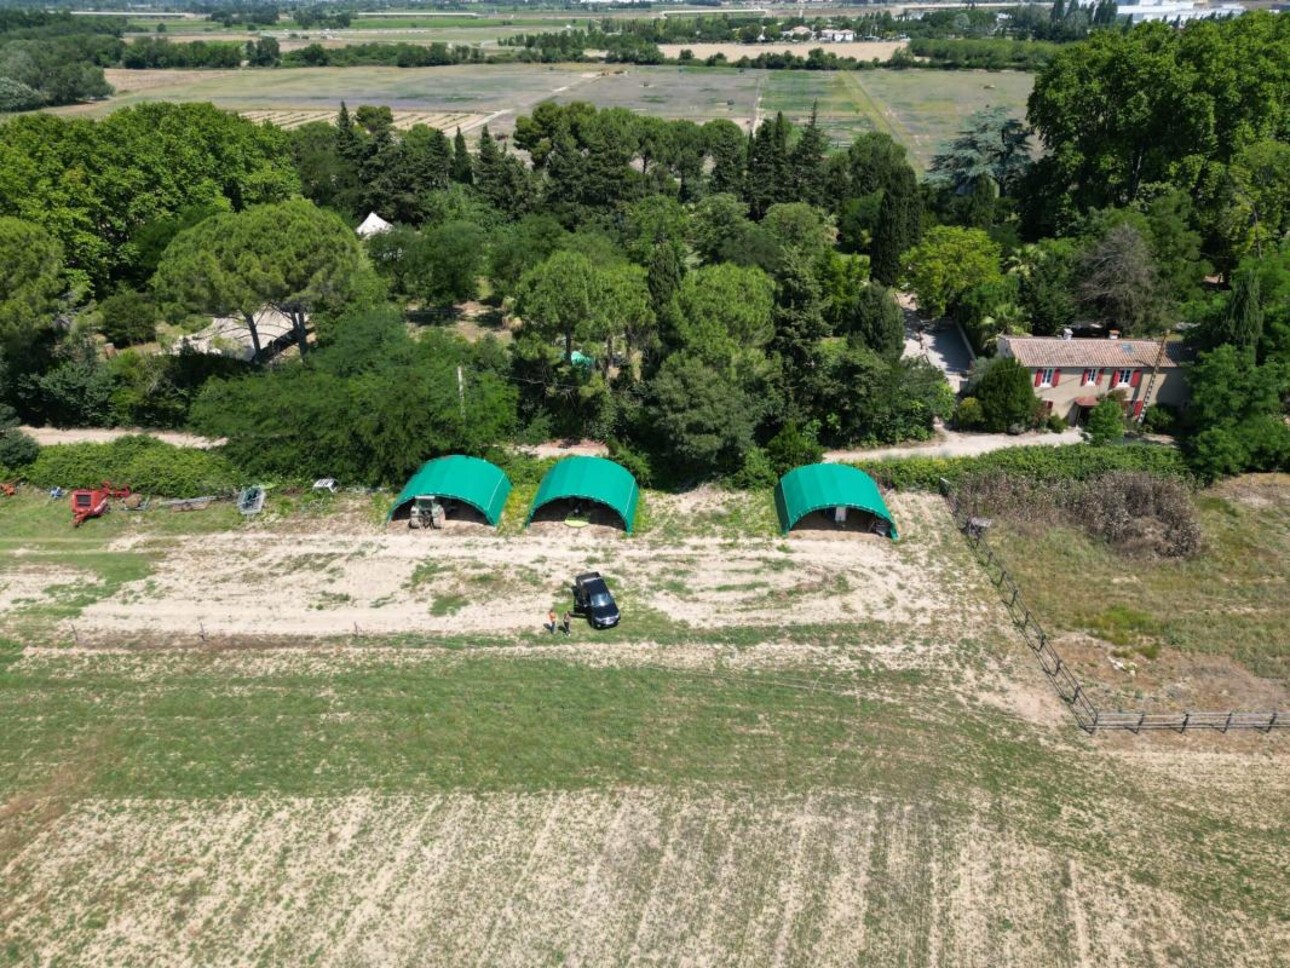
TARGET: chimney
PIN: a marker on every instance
(1066, 333)
(1114, 334)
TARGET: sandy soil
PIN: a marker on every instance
(335, 580)
(861, 50)
(584, 878)
(47, 436)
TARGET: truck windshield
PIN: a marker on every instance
(601, 599)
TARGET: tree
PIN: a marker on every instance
(446, 262)
(993, 147)
(1237, 414)
(1119, 284)
(702, 421)
(31, 268)
(873, 318)
(1106, 422)
(899, 227)
(792, 447)
(799, 326)
(725, 314)
(1005, 391)
(947, 264)
(463, 171)
(292, 256)
(717, 220)
(1047, 285)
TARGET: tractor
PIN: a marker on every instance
(92, 502)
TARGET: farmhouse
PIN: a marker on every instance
(837, 36)
(1072, 375)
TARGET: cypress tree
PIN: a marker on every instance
(348, 144)
(462, 166)
(899, 228)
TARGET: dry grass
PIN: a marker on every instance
(806, 751)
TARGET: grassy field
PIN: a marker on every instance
(920, 109)
(315, 738)
(1199, 632)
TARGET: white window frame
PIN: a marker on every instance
(1046, 376)
(1091, 380)
(1124, 378)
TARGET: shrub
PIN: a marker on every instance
(1106, 422)
(793, 447)
(129, 318)
(1137, 512)
(1160, 419)
(1041, 464)
(17, 450)
(968, 415)
(146, 465)
(1056, 424)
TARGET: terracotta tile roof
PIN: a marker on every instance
(1033, 351)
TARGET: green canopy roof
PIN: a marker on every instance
(476, 482)
(814, 487)
(593, 479)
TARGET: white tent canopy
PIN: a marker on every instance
(373, 225)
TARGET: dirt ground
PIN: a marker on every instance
(335, 578)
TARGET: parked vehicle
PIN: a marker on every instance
(592, 599)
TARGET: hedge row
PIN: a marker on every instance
(146, 465)
(1075, 462)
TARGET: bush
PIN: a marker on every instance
(793, 447)
(1160, 419)
(1056, 424)
(129, 318)
(968, 414)
(144, 464)
(1041, 464)
(1106, 422)
(17, 450)
(1137, 512)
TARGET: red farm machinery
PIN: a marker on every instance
(92, 502)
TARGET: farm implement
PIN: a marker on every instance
(93, 502)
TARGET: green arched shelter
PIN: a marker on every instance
(592, 479)
(468, 479)
(814, 487)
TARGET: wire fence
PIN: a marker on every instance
(1068, 687)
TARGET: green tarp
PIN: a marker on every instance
(476, 482)
(815, 487)
(592, 479)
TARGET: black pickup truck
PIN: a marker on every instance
(591, 598)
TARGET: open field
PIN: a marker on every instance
(317, 738)
(921, 109)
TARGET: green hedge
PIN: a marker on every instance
(146, 465)
(1071, 462)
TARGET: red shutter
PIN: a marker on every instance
(1136, 378)
(1083, 378)
(1100, 374)
(1039, 377)
(1057, 376)
(1137, 409)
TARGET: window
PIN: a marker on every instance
(1046, 377)
(1123, 378)
(1089, 379)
